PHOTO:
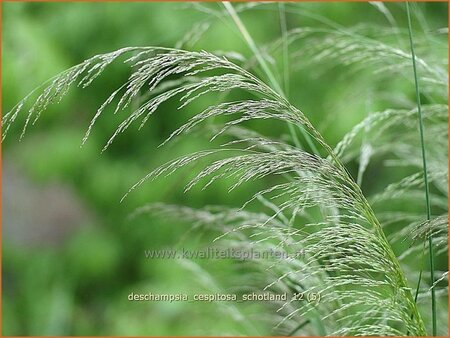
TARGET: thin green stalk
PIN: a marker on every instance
(283, 24)
(274, 83)
(425, 173)
(251, 43)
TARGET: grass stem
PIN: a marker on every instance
(273, 82)
(283, 26)
(425, 173)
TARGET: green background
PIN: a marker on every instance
(73, 279)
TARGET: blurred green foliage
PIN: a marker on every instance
(79, 286)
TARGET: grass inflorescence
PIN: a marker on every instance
(314, 205)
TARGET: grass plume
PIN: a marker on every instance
(312, 205)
